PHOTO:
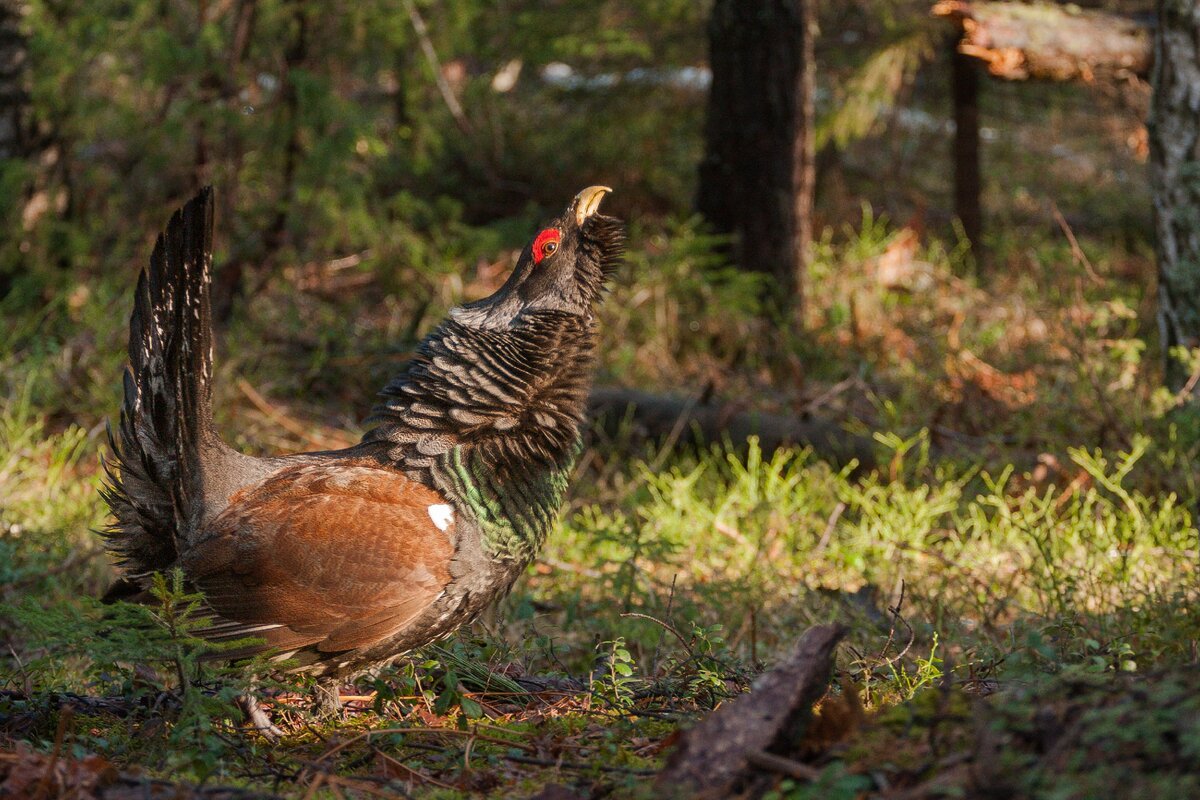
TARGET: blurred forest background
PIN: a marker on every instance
(970, 452)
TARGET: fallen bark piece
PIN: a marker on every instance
(665, 417)
(714, 758)
(1054, 42)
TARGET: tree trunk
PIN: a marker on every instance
(1175, 180)
(968, 183)
(615, 411)
(230, 281)
(14, 93)
(756, 179)
(16, 128)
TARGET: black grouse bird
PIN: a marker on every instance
(345, 559)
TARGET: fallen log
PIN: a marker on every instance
(717, 757)
(1018, 41)
(663, 417)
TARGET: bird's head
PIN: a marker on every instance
(563, 268)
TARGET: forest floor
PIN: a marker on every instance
(1018, 574)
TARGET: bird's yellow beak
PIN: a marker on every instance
(587, 202)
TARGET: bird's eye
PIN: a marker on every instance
(546, 244)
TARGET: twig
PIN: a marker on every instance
(754, 636)
(64, 718)
(672, 439)
(312, 787)
(284, 421)
(784, 766)
(26, 681)
(416, 773)
(662, 634)
(730, 531)
(892, 632)
(1185, 393)
(456, 109)
(447, 731)
(1076, 251)
(829, 527)
(346, 262)
(833, 391)
(664, 625)
(548, 762)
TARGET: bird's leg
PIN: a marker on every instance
(327, 692)
(258, 718)
(490, 618)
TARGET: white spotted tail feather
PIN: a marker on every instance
(154, 485)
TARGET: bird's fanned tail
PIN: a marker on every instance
(154, 484)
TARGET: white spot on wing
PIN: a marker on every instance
(442, 515)
(341, 479)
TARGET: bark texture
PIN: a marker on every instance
(756, 179)
(714, 758)
(1175, 179)
(1050, 41)
(15, 130)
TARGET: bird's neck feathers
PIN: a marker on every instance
(491, 418)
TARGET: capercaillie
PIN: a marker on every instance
(343, 560)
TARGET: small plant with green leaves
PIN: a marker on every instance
(449, 696)
(613, 680)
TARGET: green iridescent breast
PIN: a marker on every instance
(514, 515)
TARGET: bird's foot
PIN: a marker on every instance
(258, 718)
(327, 696)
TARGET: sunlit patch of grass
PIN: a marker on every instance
(48, 504)
(766, 546)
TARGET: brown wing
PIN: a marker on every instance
(339, 556)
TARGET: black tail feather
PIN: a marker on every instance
(154, 485)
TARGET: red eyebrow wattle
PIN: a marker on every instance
(548, 235)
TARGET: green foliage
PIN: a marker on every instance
(458, 670)
(144, 653)
(659, 314)
(614, 681)
(875, 89)
(1106, 561)
(835, 783)
(1140, 737)
(322, 128)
